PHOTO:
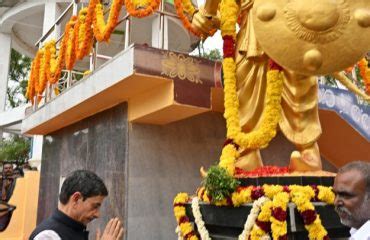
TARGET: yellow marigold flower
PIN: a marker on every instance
(186, 228)
(326, 194)
(179, 212)
(181, 198)
(272, 190)
(265, 213)
(256, 233)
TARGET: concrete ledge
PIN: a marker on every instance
(160, 87)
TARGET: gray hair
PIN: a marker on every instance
(362, 167)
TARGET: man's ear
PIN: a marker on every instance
(75, 197)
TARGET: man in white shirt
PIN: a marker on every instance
(352, 201)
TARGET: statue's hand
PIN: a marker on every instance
(205, 23)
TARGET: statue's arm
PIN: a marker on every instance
(342, 78)
(205, 20)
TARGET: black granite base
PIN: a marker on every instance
(228, 222)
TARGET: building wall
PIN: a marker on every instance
(144, 166)
(98, 144)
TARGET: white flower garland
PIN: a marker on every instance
(252, 217)
(204, 235)
(178, 231)
(251, 220)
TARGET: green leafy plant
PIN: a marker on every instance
(219, 184)
(15, 149)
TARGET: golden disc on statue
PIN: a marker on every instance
(313, 37)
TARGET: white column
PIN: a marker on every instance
(160, 33)
(35, 160)
(6, 46)
(51, 14)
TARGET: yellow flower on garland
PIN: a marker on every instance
(229, 10)
(228, 156)
(315, 230)
(102, 30)
(181, 198)
(242, 197)
(265, 213)
(326, 194)
(70, 51)
(83, 33)
(179, 212)
(42, 75)
(279, 228)
(188, 7)
(271, 190)
(256, 233)
(141, 3)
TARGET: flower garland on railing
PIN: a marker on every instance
(102, 30)
(77, 42)
(273, 213)
(71, 47)
(83, 32)
(142, 11)
(184, 8)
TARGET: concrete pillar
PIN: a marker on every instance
(160, 32)
(6, 46)
(51, 14)
(35, 160)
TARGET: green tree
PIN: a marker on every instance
(18, 76)
(214, 55)
(15, 149)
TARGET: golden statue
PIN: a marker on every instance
(322, 22)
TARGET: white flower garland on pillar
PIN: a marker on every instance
(204, 235)
(252, 217)
(251, 220)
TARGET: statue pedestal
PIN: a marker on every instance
(228, 222)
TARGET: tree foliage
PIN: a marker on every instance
(18, 76)
(214, 55)
(15, 149)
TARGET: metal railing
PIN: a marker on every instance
(69, 78)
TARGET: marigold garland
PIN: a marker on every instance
(70, 51)
(365, 73)
(272, 217)
(83, 32)
(186, 229)
(142, 12)
(141, 3)
(301, 196)
(102, 30)
(261, 136)
(278, 216)
(263, 224)
(252, 218)
(179, 6)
